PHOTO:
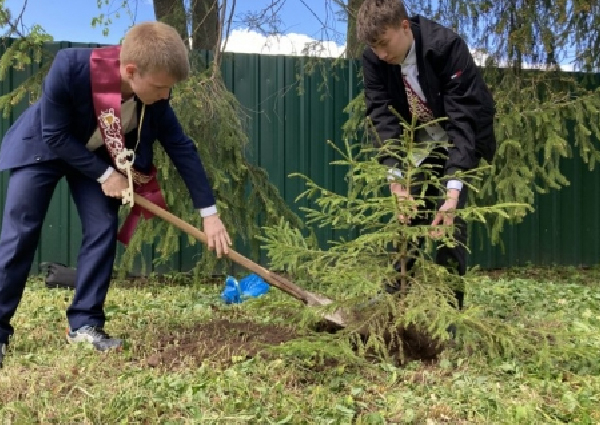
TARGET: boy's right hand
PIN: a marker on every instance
(402, 194)
(115, 184)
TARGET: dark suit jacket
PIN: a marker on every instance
(61, 122)
(453, 87)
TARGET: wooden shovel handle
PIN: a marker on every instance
(272, 278)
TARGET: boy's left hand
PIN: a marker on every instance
(445, 215)
(218, 238)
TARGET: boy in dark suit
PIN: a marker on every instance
(419, 68)
(95, 104)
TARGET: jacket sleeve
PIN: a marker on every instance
(56, 116)
(464, 97)
(183, 153)
(378, 101)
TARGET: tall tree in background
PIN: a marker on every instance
(196, 19)
(353, 47)
(205, 24)
(173, 12)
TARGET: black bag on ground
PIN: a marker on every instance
(59, 275)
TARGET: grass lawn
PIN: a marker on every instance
(192, 359)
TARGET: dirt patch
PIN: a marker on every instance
(219, 341)
(403, 343)
(376, 326)
(414, 344)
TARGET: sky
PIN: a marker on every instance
(70, 20)
(303, 24)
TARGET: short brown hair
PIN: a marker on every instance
(376, 16)
(155, 46)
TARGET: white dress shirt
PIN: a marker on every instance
(433, 131)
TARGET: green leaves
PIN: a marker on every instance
(112, 10)
(369, 238)
(22, 50)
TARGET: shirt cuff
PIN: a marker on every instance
(455, 184)
(393, 172)
(205, 212)
(105, 175)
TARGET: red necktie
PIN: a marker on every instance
(423, 113)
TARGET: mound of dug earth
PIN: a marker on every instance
(218, 341)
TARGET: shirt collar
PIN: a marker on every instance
(411, 56)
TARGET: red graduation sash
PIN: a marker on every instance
(106, 94)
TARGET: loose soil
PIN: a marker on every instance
(222, 342)
(403, 343)
(218, 341)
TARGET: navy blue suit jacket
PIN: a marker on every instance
(61, 122)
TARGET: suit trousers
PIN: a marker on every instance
(28, 196)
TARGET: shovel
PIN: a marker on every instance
(309, 298)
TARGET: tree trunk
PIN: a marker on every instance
(205, 24)
(353, 47)
(172, 12)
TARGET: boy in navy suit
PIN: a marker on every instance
(420, 68)
(95, 104)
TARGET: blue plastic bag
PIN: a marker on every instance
(251, 286)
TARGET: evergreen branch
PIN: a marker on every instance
(246, 199)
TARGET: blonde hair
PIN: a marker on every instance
(155, 46)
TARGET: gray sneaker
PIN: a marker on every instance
(96, 336)
(2, 353)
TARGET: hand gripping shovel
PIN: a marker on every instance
(309, 298)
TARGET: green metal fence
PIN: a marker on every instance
(288, 133)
